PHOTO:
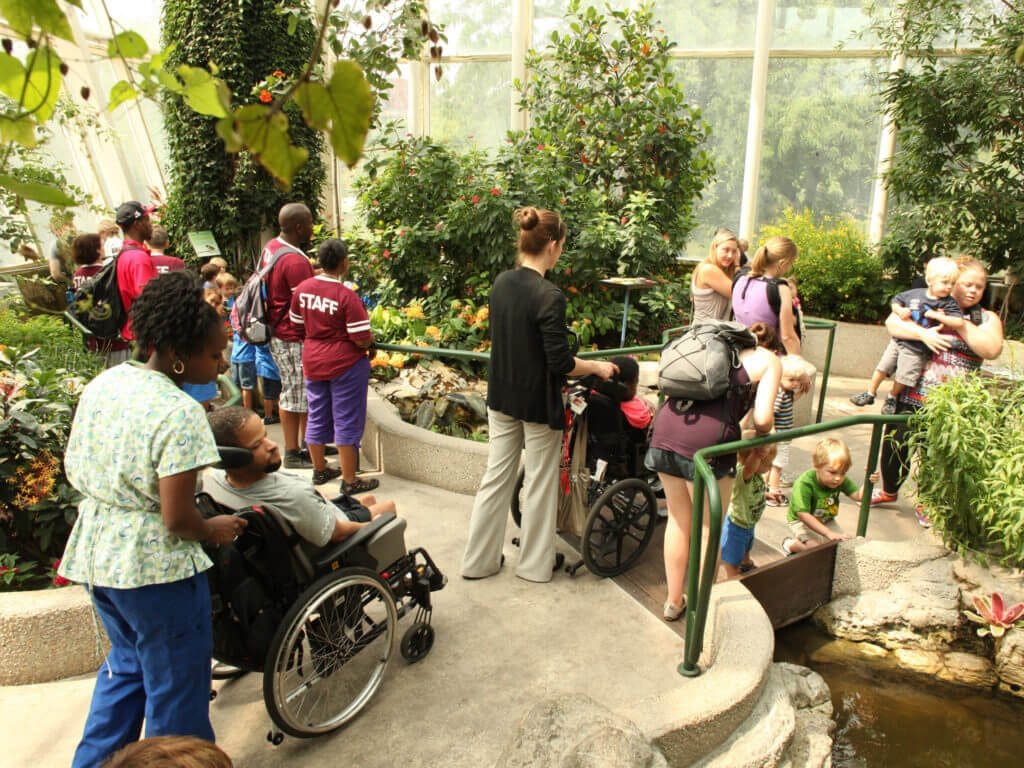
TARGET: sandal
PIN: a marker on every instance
(360, 485)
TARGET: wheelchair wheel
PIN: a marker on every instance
(330, 652)
(417, 642)
(517, 499)
(619, 527)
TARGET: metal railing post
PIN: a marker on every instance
(825, 372)
(865, 502)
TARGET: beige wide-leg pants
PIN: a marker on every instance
(540, 499)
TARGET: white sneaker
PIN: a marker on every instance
(672, 612)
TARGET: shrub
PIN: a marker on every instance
(59, 346)
(615, 149)
(969, 443)
(37, 504)
(837, 275)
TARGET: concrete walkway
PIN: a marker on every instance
(502, 645)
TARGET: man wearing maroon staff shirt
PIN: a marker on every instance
(335, 366)
(134, 266)
(290, 267)
(159, 241)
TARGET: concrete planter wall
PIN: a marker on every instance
(405, 450)
(855, 352)
(48, 634)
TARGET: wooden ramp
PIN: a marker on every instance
(796, 586)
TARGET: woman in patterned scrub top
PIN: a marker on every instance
(136, 446)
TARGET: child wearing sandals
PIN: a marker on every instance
(796, 381)
(904, 360)
(815, 499)
(745, 508)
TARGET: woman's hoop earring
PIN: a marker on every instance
(178, 368)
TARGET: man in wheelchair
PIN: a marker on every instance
(311, 594)
(313, 517)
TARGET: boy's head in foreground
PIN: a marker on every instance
(831, 462)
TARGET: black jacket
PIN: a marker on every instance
(530, 353)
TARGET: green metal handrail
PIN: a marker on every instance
(816, 324)
(698, 584)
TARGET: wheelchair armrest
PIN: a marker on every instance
(335, 552)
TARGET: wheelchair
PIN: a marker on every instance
(319, 623)
(621, 499)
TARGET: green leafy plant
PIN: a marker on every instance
(994, 615)
(959, 155)
(57, 345)
(838, 277)
(968, 440)
(37, 504)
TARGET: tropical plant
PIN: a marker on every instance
(56, 345)
(993, 615)
(959, 157)
(968, 440)
(37, 504)
(837, 275)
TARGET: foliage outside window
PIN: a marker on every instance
(956, 174)
(838, 276)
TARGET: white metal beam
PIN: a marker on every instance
(755, 119)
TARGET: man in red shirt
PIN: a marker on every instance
(158, 241)
(290, 267)
(335, 366)
(134, 265)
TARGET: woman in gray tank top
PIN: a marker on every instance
(711, 284)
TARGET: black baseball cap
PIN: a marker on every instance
(130, 212)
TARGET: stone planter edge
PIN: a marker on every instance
(48, 634)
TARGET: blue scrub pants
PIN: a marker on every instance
(158, 667)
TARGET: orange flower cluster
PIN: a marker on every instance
(35, 481)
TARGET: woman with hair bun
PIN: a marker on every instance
(136, 446)
(762, 295)
(530, 358)
(711, 284)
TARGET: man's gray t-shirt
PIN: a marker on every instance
(295, 498)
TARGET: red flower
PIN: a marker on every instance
(265, 96)
(540, 147)
(439, 226)
(495, 191)
(386, 254)
(426, 287)
(58, 580)
(277, 73)
(623, 220)
(401, 233)
(568, 270)
(476, 199)
(375, 203)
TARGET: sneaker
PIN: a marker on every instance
(268, 420)
(297, 460)
(776, 498)
(922, 519)
(360, 485)
(889, 406)
(878, 496)
(864, 398)
(321, 476)
(671, 612)
(787, 545)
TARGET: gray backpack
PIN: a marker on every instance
(698, 364)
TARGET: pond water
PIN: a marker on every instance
(887, 718)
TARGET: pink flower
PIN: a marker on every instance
(386, 254)
(439, 226)
(401, 233)
(540, 147)
(495, 191)
(476, 199)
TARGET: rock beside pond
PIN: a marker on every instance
(1010, 662)
(574, 731)
(436, 395)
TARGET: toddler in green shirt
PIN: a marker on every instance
(745, 508)
(814, 500)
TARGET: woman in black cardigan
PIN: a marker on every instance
(530, 358)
